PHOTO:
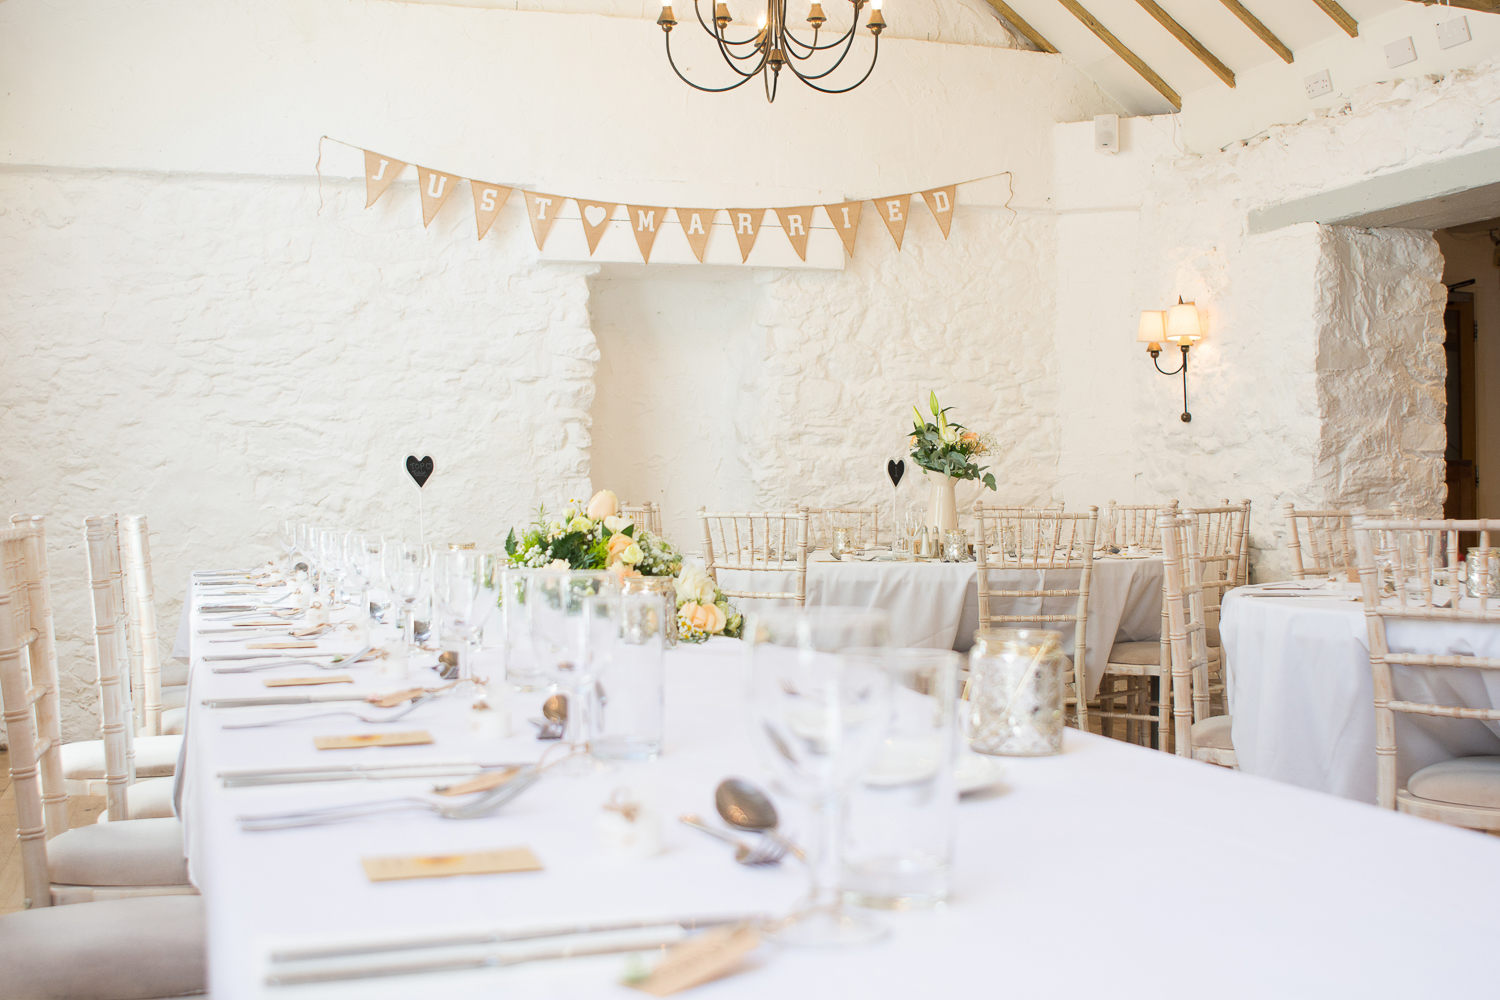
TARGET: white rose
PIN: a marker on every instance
(580, 523)
(632, 554)
(616, 523)
(691, 584)
(949, 435)
(559, 564)
(603, 504)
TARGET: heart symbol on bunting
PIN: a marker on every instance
(895, 469)
(420, 469)
(595, 214)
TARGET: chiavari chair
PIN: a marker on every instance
(822, 520)
(647, 515)
(1197, 734)
(1041, 541)
(1329, 550)
(138, 858)
(1464, 791)
(757, 542)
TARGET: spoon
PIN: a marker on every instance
(745, 807)
(765, 853)
(555, 712)
(449, 668)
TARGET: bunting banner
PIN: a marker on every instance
(646, 221)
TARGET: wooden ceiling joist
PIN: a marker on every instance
(1185, 37)
(1135, 62)
(1341, 17)
(1019, 23)
(1488, 6)
(1260, 30)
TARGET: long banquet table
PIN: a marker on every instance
(1302, 695)
(1109, 870)
(936, 604)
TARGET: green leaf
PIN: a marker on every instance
(989, 480)
(510, 543)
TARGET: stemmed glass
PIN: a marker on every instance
(562, 618)
(369, 562)
(463, 584)
(286, 537)
(406, 570)
(307, 548)
(330, 562)
(911, 527)
(820, 706)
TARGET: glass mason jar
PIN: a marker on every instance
(1017, 687)
(1489, 566)
(955, 545)
(843, 542)
(666, 586)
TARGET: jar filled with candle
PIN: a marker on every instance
(1483, 573)
(1016, 690)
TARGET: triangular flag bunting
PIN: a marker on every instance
(940, 201)
(646, 220)
(893, 213)
(845, 219)
(696, 222)
(488, 200)
(796, 222)
(379, 172)
(595, 217)
(746, 222)
(541, 209)
(435, 186)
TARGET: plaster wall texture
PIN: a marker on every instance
(1471, 256)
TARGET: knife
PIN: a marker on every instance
(286, 699)
(295, 776)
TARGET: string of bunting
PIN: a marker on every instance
(435, 188)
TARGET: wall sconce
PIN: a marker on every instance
(1181, 325)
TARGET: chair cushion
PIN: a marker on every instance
(1140, 654)
(174, 697)
(1211, 634)
(140, 852)
(155, 757)
(119, 949)
(173, 673)
(173, 720)
(1213, 733)
(1467, 781)
(152, 798)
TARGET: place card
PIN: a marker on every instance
(698, 960)
(281, 645)
(396, 697)
(291, 682)
(482, 783)
(415, 737)
(509, 859)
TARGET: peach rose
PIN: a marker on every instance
(604, 504)
(618, 543)
(708, 617)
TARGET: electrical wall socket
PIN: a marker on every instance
(1454, 32)
(1318, 84)
(1400, 52)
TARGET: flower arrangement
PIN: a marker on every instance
(594, 536)
(702, 609)
(948, 448)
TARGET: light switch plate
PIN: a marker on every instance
(1318, 84)
(1454, 32)
(1400, 52)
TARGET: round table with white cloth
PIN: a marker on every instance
(1302, 694)
(936, 604)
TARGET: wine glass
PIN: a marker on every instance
(369, 558)
(911, 527)
(286, 537)
(307, 548)
(406, 570)
(562, 619)
(463, 584)
(330, 569)
(820, 706)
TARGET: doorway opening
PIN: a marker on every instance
(1471, 321)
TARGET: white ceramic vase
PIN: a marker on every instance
(942, 505)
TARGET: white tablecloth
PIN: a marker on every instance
(1268, 891)
(936, 604)
(1302, 697)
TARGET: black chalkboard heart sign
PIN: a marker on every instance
(420, 469)
(896, 468)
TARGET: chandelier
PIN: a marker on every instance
(773, 47)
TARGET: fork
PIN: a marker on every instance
(405, 710)
(766, 852)
(338, 663)
(484, 805)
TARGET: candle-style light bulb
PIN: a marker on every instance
(667, 20)
(815, 16)
(877, 23)
(721, 15)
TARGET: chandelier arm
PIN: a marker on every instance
(825, 90)
(747, 77)
(848, 47)
(825, 46)
(714, 33)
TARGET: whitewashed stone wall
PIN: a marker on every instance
(217, 355)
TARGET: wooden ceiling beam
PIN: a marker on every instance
(1192, 44)
(1118, 47)
(1341, 17)
(1487, 6)
(1019, 23)
(1260, 30)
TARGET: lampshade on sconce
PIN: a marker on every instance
(1153, 329)
(1182, 325)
